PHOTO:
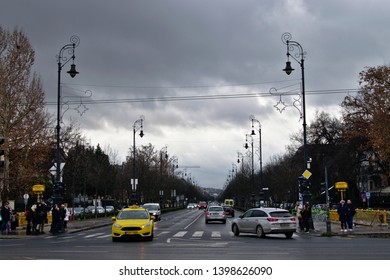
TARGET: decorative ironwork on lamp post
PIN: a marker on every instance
(62, 61)
(299, 57)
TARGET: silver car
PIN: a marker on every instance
(215, 213)
(262, 221)
(154, 210)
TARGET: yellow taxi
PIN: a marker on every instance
(133, 222)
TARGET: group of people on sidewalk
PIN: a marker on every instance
(346, 212)
(6, 217)
(36, 218)
(305, 220)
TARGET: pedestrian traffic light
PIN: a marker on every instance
(1, 152)
(59, 188)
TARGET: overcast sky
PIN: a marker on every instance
(139, 49)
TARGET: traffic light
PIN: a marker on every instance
(304, 184)
(1, 152)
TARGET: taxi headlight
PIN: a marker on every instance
(116, 225)
(146, 225)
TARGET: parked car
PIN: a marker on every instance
(109, 209)
(262, 221)
(229, 210)
(215, 213)
(78, 212)
(154, 209)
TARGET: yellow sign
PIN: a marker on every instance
(38, 188)
(306, 174)
(341, 185)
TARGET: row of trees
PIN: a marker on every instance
(30, 141)
(354, 148)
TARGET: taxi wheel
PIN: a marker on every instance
(150, 238)
(114, 239)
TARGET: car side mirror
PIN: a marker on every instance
(113, 218)
(241, 216)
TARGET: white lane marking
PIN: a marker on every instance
(198, 234)
(180, 234)
(93, 235)
(200, 214)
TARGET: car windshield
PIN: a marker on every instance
(280, 214)
(130, 215)
(216, 208)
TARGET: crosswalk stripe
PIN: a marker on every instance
(197, 234)
(215, 234)
(180, 234)
(94, 235)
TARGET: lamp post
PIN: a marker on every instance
(291, 46)
(253, 120)
(62, 61)
(246, 146)
(138, 125)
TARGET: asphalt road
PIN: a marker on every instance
(183, 235)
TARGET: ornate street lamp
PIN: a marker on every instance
(62, 61)
(253, 120)
(246, 146)
(293, 46)
(138, 125)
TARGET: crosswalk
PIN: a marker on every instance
(181, 234)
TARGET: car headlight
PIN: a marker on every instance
(115, 225)
(146, 225)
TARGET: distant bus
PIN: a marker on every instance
(229, 202)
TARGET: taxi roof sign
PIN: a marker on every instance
(341, 185)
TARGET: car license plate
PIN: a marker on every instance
(284, 225)
(130, 232)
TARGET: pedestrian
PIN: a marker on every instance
(40, 217)
(43, 212)
(56, 221)
(342, 211)
(29, 214)
(298, 214)
(66, 214)
(6, 217)
(306, 217)
(350, 213)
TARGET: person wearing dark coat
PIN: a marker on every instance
(6, 218)
(306, 217)
(56, 220)
(342, 211)
(350, 213)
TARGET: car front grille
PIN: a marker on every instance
(130, 228)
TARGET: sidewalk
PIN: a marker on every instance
(320, 229)
(73, 226)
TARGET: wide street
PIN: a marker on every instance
(183, 235)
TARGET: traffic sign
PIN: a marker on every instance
(368, 195)
(306, 174)
(341, 185)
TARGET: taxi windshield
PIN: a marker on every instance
(130, 215)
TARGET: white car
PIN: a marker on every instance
(192, 206)
(154, 210)
(262, 221)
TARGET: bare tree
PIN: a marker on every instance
(24, 122)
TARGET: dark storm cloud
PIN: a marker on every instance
(139, 49)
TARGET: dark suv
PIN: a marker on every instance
(229, 210)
